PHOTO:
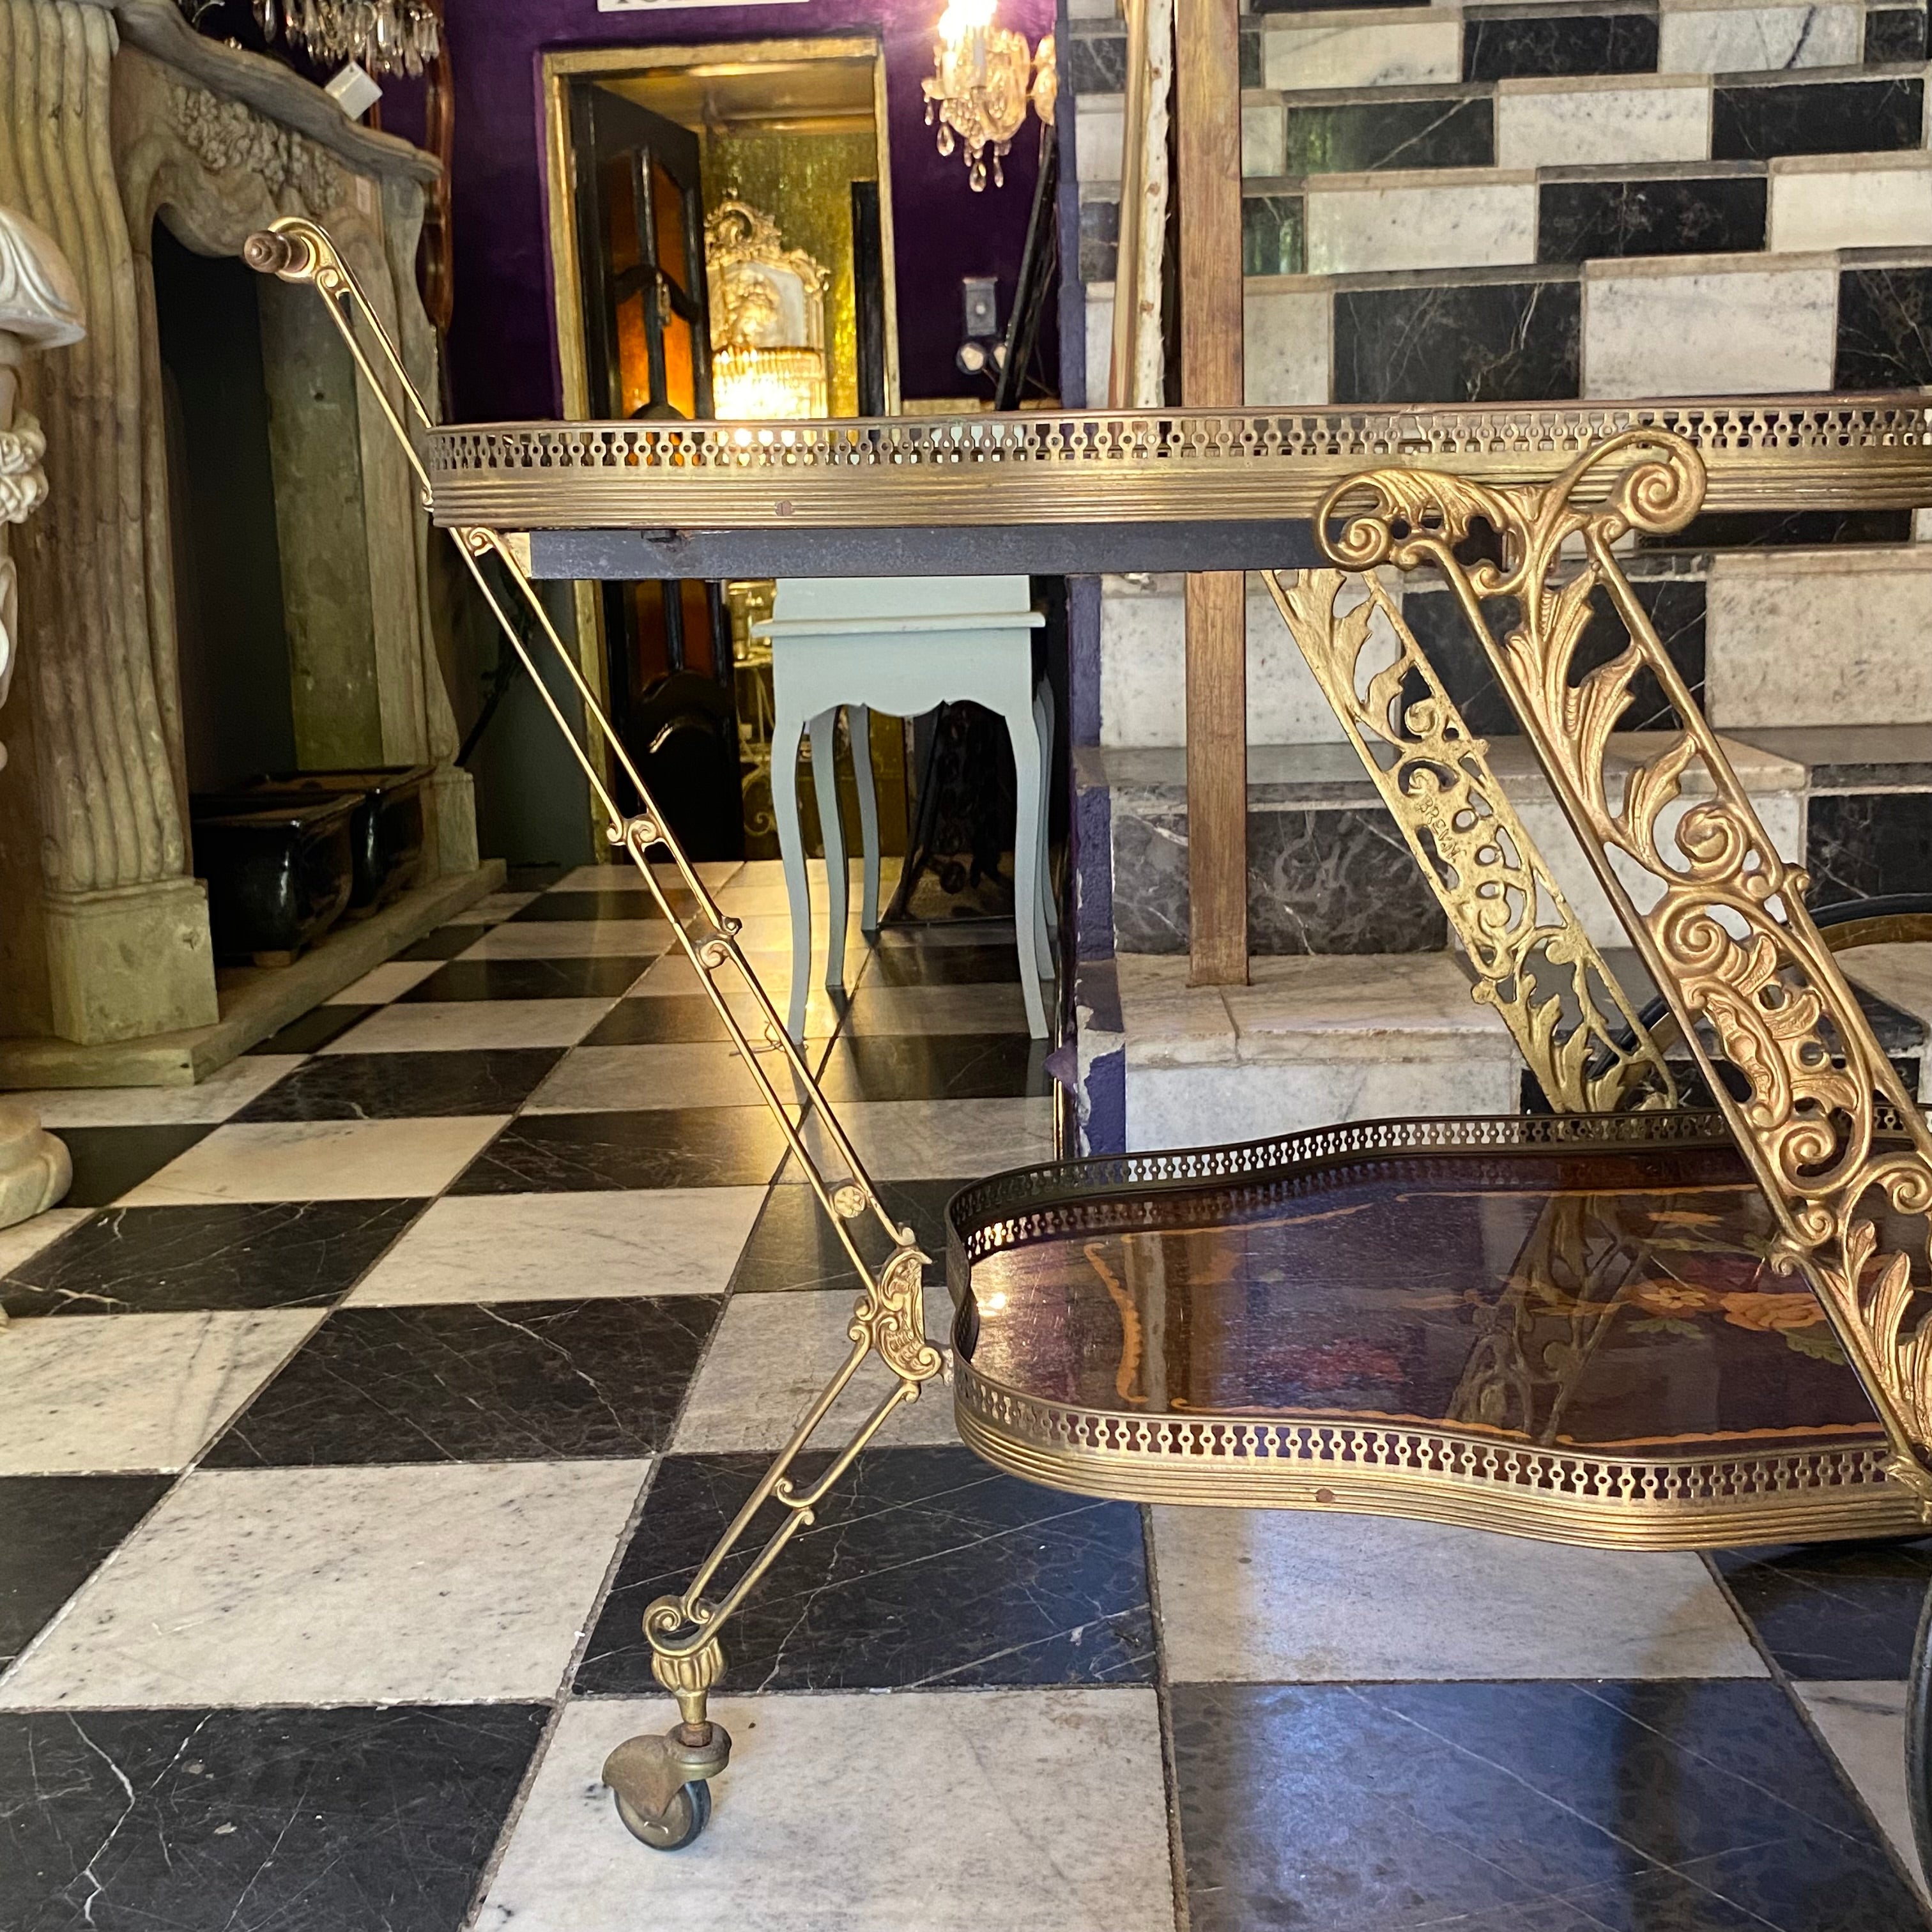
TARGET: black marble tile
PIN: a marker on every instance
(936, 1066)
(405, 1086)
(1095, 63)
(1865, 845)
(924, 1568)
(54, 1531)
(1352, 137)
(1771, 529)
(445, 943)
(1676, 608)
(1250, 56)
(551, 907)
(1686, 1806)
(1099, 240)
(1467, 342)
(108, 1161)
(1815, 117)
(270, 1820)
(501, 1381)
(1894, 33)
(531, 878)
(228, 1255)
(1885, 328)
(792, 1246)
(916, 965)
(1500, 47)
(1834, 1610)
(668, 1019)
(528, 980)
(1706, 214)
(660, 1147)
(1272, 234)
(315, 1030)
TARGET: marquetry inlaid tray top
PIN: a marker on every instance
(1469, 1321)
(1816, 452)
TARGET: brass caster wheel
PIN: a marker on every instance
(671, 1829)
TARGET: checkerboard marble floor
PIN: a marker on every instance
(362, 1396)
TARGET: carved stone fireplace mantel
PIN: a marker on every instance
(119, 115)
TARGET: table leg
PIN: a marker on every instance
(838, 880)
(858, 723)
(788, 728)
(1022, 727)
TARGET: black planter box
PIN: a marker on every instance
(278, 874)
(387, 834)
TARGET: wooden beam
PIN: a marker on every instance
(1207, 126)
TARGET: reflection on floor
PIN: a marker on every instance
(365, 1392)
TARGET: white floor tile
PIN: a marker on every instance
(998, 1008)
(1021, 1810)
(225, 1092)
(539, 1247)
(771, 1356)
(573, 939)
(440, 1584)
(943, 1140)
(26, 1239)
(88, 1394)
(705, 1073)
(1284, 1597)
(1865, 1725)
(444, 1026)
(381, 984)
(320, 1160)
(490, 908)
(674, 973)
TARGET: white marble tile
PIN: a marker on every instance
(224, 1092)
(1901, 973)
(1450, 222)
(1360, 1006)
(1102, 122)
(1571, 123)
(445, 1026)
(1361, 49)
(573, 939)
(1264, 137)
(563, 1247)
(88, 1394)
(1758, 39)
(1865, 1725)
(437, 1583)
(771, 1355)
(704, 1073)
(491, 908)
(1286, 327)
(1838, 638)
(1169, 1023)
(1100, 341)
(1822, 209)
(26, 1239)
(943, 1140)
(1304, 1596)
(381, 984)
(1653, 330)
(997, 1008)
(1034, 1811)
(320, 1160)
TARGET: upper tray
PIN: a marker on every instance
(1153, 465)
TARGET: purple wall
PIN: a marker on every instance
(502, 356)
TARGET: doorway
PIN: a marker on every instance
(722, 247)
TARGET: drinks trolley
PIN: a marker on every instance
(1515, 1323)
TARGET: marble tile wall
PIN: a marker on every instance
(1885, 328)
(1816, 117)
(1351, 49)
(1360, 223)
(1498, 44)
(1498, 341)
(1691, 213)
(1821, 202)
(1544, 123)
(1753, 39)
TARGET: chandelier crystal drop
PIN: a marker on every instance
(384, 36)
(981, 81)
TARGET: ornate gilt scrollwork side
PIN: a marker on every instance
(1501, 900)
(1727, 936)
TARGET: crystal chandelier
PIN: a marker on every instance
(384, 36)
(982, 79)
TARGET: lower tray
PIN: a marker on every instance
(1562, 1327)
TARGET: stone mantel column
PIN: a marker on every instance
(40, 307)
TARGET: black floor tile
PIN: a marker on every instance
(936, 1066)
(670, 1020)
(274, 1820)
(664, 1147)
(1847, 1611)
(150, 1261)
(445, 943)
(527, 980)
(406, 1086)
(315, 1030)
(531, 878)
(592, 905)
(792, 1245)
(54, 1532)
(944, 965)
(1701, 1805)
(108, 1161)
(507, 1381)
(924, 1567)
